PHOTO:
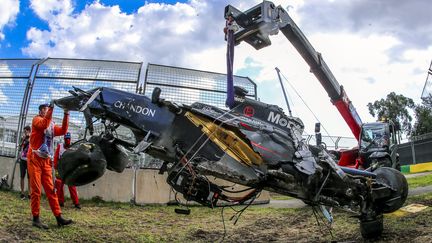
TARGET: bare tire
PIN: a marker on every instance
(372, 228)
(116, 158)
(81, 164)
(399, 186)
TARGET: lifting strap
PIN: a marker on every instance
(230, 27)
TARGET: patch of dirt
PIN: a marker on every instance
(399, 235)
(21, 231)
(203, 235)
(426, 202)
(277, 229)
(302, 227)
(7, 237)
(297, 228)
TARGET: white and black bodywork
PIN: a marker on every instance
(253, 144)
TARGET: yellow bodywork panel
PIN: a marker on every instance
(227, 140)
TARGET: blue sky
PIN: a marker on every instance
(27, 18)
(372, 47)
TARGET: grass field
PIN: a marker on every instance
(122, 222)
(420, 181)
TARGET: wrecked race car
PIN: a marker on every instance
(253, 144)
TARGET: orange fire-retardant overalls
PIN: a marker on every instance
(40, 169)
(59, 184)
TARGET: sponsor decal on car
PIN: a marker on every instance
(277, 119)
(135, 108)
(249, 111)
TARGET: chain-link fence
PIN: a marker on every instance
(333, 142)
(186, 86)
(418, 150)
(27, 83)
(55, 77)
(14, 77)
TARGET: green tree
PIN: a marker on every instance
(395, 107)
(427, 101)
(423, 114)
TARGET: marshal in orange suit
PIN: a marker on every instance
(39, 162)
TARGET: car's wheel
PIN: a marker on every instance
(372, 228)
(81, 164)
(399, 186)
(117, 159)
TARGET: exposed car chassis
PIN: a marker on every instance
(200, 140)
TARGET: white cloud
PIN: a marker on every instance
(4, 99)
(159, 33)
(56, 93)
(44, 98)
(5, 73)
(8, 11)
(409, 21)
(51, 10)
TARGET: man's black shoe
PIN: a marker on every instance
(61, 221)
(37, 223)
(61, 204)
(22, 196)
(77, 206)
